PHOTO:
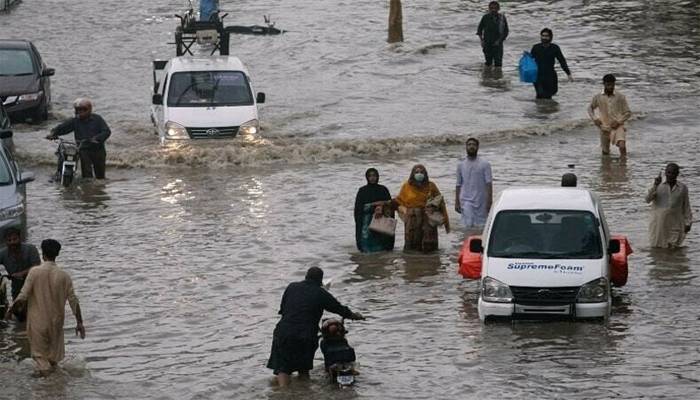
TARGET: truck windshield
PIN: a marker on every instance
(209, 88)
(555, 234)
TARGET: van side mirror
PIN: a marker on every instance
(25, 177)
(48, 72)
(475, 246)
(157, 99)
(5, 133)
(614, 246)
(260, 98)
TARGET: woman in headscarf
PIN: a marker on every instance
(366, 207)
(422, 209)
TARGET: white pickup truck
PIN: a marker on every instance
(203, 98)
(545, 252)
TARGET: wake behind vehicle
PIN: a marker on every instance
(338, 355)
(546, 252)
(203, 98)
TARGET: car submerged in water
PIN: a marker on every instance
(13, 194)
(203, 98)
(545, 252)
(25, 84)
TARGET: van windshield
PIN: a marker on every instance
(209, 88)
(15, 62)
(545, 234)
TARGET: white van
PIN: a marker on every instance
(545, 252)
(203, 98)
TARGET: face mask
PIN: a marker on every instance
(419, 177)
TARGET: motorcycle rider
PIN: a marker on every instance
(91, 132)
(295, 338)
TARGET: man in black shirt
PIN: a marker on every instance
(493, 30)
(18, 258)
(91, 132)
(295, 339)
(547, 84)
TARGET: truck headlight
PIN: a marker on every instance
(249, 128)
(31, 96)
(12, 212)
(593, 292)
(173, 130)
(495, 291)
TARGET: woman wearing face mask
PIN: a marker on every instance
(415, 202)
(367, 203)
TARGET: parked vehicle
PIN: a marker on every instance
(13, 196)
(203, 98)
(546, 252)
(25, 86)
(338, 355)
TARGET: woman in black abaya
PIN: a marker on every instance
(368, 241)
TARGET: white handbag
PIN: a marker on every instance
(383, 225)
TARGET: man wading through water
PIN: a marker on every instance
(18, 258)
(545, 53)
(45, 293)
(295, 338)
(493, 30)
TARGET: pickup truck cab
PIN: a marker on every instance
(203, 98)
(545, 252)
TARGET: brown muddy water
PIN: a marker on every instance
(181, 256)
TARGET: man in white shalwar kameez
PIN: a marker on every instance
(45, 292)
(474, 191)
(671, 217)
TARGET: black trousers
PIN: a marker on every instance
(493, 54)
(93, 158)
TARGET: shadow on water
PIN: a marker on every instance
(493, 78)
(86, 194)
(670, 267)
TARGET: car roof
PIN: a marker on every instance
(213, 63)
(14, 44)
(547, 198)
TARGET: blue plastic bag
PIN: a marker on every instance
(527, 68)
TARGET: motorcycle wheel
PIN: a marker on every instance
(67, 177)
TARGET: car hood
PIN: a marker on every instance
(202, 117)
(545, 272)
(16, 85)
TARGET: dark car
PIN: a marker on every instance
(25, 86)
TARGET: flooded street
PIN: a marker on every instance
(180, 258)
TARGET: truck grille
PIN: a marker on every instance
(213, 133)
(544, 296)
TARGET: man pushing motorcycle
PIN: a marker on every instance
(91, 132)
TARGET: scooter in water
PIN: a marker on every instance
(338, 355)
(68, 157)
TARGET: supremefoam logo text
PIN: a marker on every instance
(557, 268)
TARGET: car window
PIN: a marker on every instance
(5, 175)
(15, 62)
(37, 55)
(545, 234)
(209, 88)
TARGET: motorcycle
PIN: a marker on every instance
(68, 158)
(338, 355)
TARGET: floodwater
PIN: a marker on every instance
(181, 256)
